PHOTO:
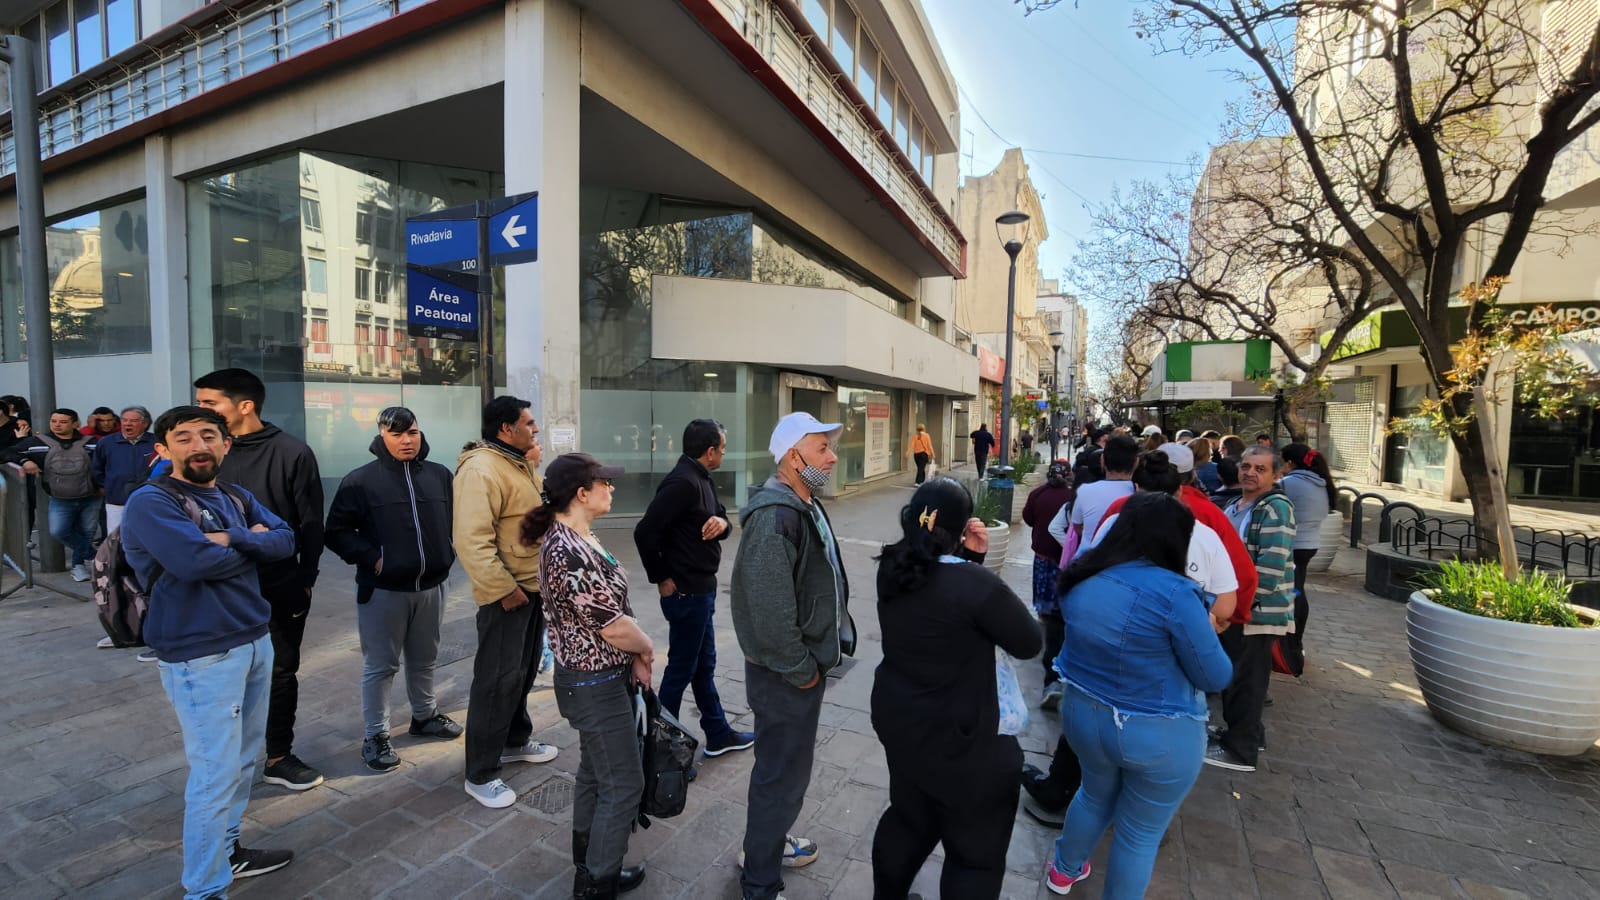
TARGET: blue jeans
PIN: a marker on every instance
(221, 701)
(1136, 771)
(692, 660)
(73, 523)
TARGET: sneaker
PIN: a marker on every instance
(1059, 883)
(1051, 817)
(378, 753)
(532, 751)
(106, 643)
(250, 863)
(440, 726)
(1223, 758)
(797, 852)
(495, 794)
(80, 572)
(736, 740)
(1052, 696)
(293, 774)
(147, 656)
(1213, 733)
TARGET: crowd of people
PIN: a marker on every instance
(1163, 573)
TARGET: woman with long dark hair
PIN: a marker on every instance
(1139, 656)
(1310, 487)
(952, 775)
(601, 653)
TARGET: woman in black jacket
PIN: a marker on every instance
(952, 775)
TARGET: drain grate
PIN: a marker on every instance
(457, 640)
(553, 797)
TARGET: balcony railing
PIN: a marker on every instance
(775, 38)
(149, 79)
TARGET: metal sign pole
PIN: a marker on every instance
(485, 307)
(22, 58)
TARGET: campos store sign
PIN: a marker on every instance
(1579, 314)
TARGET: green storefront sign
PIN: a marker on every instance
(1392, 327)
(1255, 359)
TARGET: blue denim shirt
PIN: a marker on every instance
(1138, 638)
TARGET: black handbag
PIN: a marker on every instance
(667, 751)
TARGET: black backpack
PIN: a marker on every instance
(668, 753)
(119, 599)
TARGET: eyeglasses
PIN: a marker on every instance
(601, 482)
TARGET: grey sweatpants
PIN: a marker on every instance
(391, 623)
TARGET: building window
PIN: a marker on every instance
(311, 213)
(816, 12)
(99, 280)
(80, 34)
(867, 70)
(385, 284)
(383, 230)
(844, 39)
(363, 280)
(363, 226)
(316, 275)
(886, 88)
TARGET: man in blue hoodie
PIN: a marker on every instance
(197, 546)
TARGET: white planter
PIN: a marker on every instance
(1330, 535)
(1529, 687)
(999, 542)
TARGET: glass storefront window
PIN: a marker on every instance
(276, 287)
(777, 258)
(99, 274)
(1554, 457)
(873, 420)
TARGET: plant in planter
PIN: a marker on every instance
(986, 509)
(1507, 660)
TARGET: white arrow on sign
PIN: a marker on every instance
(512, 231)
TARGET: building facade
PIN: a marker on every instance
(743, 211)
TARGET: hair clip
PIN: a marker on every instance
(544, 498)
(927, 518)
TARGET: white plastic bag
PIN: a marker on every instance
(1013, 708)
(933, 470)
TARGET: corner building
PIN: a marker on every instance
(745, 209)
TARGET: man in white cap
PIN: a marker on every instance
(789, 598)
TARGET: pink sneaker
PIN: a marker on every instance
(1059, 883)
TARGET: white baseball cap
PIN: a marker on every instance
(1149, 430)
(791, 428)
(1179, 455)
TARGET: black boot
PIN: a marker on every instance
(585, 886)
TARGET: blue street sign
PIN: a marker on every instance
(436, 308)
(447, 243)
(514, 230)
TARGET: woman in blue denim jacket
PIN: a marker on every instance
(1138, 658)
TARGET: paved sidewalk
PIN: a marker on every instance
(1361, 793)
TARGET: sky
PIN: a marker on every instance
(1070, 83)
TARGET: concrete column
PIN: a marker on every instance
(541, 154)
(167, 222)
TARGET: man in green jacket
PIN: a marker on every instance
(789, 598)
(1265, 519)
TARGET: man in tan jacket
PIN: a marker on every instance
(496, 484)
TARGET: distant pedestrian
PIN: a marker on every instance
(122, 458)
(1228, 477)
(496, 483)
(65, 459)
(281, 471)
(680, 544)
(1264, 440)
(1309, 484)
(1232, 446)
(1138, 658)
(1205, 468)
(208, 625)
(601, 655)
(1264, 517)
(790, 602)
(1026, 440)
(1152, 437)
(1086, 468)
(982, 443)
(922, 452)
(12, 428)
(1043, 503)
(952, 775)
(102, 422)
(391, 519)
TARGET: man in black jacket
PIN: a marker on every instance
(680, 542)
(279, 470)
(391, 520)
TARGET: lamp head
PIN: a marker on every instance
(1012, 228)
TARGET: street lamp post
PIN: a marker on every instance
(1055, 392)
(1012, 229)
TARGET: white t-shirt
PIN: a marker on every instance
(1090, 506)
(1209, 565)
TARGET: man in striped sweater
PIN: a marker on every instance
(1264, 517)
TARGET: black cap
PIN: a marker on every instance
(575, 470)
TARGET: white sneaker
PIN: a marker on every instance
(80, 572)
(532, 751)
(494, 795)
(105, 643)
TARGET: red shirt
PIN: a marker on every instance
(1208, 514)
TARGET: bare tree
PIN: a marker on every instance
(1429, 133)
